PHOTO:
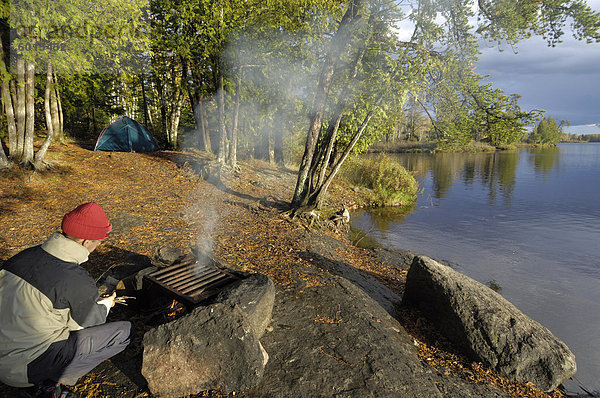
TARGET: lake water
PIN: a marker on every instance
(527, 220)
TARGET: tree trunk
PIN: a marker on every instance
(319, 196)
(20, 111)
(267, 144)
(54, 109)
(147, 117)
(322, 157)
(39, 156)
(30, 114)
(236, 115)
(205, 128)
(278, 142)
(179, 71)
(4, 162)
(337, 47)
(221, 154)
(195, 101)
(330, 141)
(201, 124)
(61, 125)
(163, 105)
(8, 109)
(175, 115)
(10, 117)
(94, 129)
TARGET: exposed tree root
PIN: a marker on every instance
(45, 165)
(311, 216)
(6, 164)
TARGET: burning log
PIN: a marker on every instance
(175, 309)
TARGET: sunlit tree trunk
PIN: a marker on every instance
(10, 117)
(30, 114)
(236, 114)
(221, 152)
(4, 162)
(55, 109)
(39, 156)
(175, 115)
(163, 104)
(7, 107)
(20, 110)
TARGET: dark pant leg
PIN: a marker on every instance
(94, 345)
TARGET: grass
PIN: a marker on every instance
(388, 183)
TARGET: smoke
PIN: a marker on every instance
(278, 74)
(202, 213)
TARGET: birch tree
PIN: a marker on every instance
(59, 37)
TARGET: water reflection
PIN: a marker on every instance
(544, 160)
(496, 170)
(383, 218)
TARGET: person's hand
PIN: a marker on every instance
(111, 299)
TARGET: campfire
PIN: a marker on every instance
(188, 282)
(175, 309)
(169, 289)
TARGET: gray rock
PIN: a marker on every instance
(322, 250)
(486, 325)
(333, 340)
(254, 295)
(165, 256)
(213, 347)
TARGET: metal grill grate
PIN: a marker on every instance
(191, 282)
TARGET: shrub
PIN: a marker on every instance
(389, 182)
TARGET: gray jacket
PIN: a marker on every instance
(44, 295)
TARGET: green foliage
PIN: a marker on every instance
(510, 21)
(463, 109)
(77, 37)
(547, 132)
(391, 184)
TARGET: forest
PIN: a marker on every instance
(309, 81)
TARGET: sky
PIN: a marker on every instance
(564, 80)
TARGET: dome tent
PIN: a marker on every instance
(126, 135)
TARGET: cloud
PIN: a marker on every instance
(534, 56)
(564, 80)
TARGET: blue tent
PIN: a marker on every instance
(126, 135)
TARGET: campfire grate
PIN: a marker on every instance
(191, 282)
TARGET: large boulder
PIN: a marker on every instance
(332, 340)
(214, 347)
(255, 296)
(486, 325)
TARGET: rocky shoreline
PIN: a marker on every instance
(336, 328)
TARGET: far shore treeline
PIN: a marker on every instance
(305, 82)
(581, 138)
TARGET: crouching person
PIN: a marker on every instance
(52, 321)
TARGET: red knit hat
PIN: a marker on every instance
(86, 221)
